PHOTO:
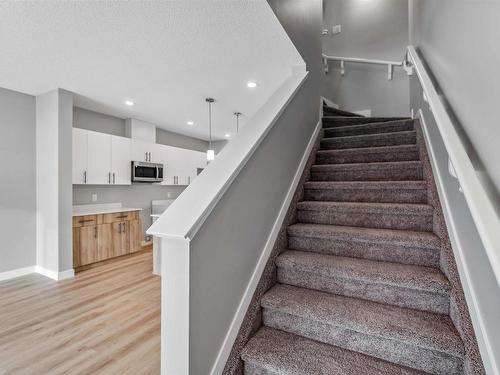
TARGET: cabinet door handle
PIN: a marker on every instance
(113, 177)
(122, 216)
(85, 177)
(146, 156)
(95, 232)
(109, 177)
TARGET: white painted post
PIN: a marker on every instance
(174, 306)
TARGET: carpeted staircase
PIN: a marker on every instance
(359, 289)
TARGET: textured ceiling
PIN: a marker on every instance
(165, 55)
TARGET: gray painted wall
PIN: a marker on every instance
(466, 243)
(135, 195)
(225, 251)
(17, 181)
(459, 41)
(178, 140)
(98, 122)
(370, 29)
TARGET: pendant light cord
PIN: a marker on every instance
(210, 125)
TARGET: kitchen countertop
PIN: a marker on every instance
(97, 209)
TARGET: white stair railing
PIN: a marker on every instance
(357, 60)
(478, 264)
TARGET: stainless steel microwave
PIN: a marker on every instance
(147, 172)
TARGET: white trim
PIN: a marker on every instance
(68, 274)
(481, 206)
(329, 103)
(362, 60)
(187, 213)
(233, 330)
(459, 249)
(175, 262)
(364, 112)
(7, 275)
(54, 275)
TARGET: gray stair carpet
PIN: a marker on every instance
(359, 289)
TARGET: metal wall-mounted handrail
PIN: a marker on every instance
(343, 60)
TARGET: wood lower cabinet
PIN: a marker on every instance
(121, 238)
(100, 237)
(85, 245)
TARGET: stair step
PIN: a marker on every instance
(412, 338)
(367, 191)
(369, 140)
(334, 121)
(368, 154)
(273, 352)
(406, 216)
(399, 246)
(416, 287)
(330, 111)
(372, 128)
(388, 171)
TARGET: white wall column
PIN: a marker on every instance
(54, 124)
(175, 306)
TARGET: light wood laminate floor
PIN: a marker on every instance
(104, 321)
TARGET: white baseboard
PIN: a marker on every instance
(54, 275)
(329, 103)
(68, 274)
(484, 320)
(364, 112)
(259, 269)
(17, 273)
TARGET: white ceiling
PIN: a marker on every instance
(165, 55)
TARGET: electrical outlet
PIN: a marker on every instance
(169, 194)
(94, 197)
(337, 29)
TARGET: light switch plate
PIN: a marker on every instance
(94, 197)
(337, 29)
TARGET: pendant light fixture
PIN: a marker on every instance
(210, 151)
(237, 114)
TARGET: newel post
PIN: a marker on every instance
(174, 306)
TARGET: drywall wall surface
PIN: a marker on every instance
(165, 137)
(65, 108)
(17, 181)
(375, 29)
(47, 181)
(467, 266)
(226, 249)
(459, 41)
(98, 122)
(54, 124)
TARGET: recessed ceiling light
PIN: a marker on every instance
(251, 84)
(227, 135)
(190, 123)
(129, 102)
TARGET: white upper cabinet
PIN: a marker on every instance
(144, 151)
(180, 166)
(103, 159)
(120, 160)
(79, 156)
(99, 158)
